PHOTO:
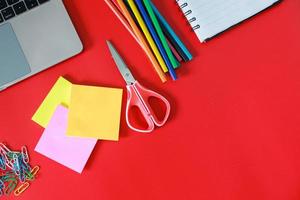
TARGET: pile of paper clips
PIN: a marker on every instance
(15, 171)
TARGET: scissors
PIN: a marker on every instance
(138, 97)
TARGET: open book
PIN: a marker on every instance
(211, 17)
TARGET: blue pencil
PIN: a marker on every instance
(155, 37)
(172, 35)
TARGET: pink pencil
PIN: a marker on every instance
(118, 6)
(120, 16)
(139, 39)
(176, 54)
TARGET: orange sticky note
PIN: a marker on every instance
(94, 112)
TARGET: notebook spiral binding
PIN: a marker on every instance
(184, 6)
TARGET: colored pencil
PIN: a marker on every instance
(174, 51)
(160, 33)
(117, 5)
(132, 15)
(155, 37)
(147, 35)
(181, 48)
(143, 42)
(120, 16)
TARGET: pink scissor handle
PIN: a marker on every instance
(139, 96)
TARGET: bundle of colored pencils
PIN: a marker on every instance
(154, 34)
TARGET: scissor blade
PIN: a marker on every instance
(124, 70)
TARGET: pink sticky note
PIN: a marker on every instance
(72, 152)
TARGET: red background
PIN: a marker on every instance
(234, 131)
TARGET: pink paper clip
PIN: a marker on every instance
(4, 149)
(25, 154)
(9, 164)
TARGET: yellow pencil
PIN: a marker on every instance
(142, 40)
(147, 34)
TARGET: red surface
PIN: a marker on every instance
(234, 131)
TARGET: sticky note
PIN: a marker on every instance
(59, 94)
(94, 112)
(72, 152)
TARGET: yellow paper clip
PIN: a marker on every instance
(21, 189)
(35, 170)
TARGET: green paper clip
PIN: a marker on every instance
(11, 186)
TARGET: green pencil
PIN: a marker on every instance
(160, 33)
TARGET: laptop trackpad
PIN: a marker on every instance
(13, 64)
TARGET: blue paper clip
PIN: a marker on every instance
(15, 168)
(21, 167)
(2, 186)
(22, 176)
(2, 162)
(16, 164)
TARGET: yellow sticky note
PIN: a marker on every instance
(59, 95)
(94, 112)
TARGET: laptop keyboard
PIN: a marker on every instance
(12, 8)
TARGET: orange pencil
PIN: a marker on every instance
(143, 42)
(121, 17)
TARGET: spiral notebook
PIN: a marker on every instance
(211, 17)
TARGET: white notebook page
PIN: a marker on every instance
(210, 17)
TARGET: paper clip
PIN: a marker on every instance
(15, 168)
(21, 189)
(22, 176)
(28, 173)
(9, 164)
(4, 148)
(2, 162)
(29, 176)
(11, 154)
(2, 186)
(11, 186)
(8, 161)
(25, 154)
(7, 176)
(16, 165)
(35, 170)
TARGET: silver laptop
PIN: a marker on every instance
(34, 35)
